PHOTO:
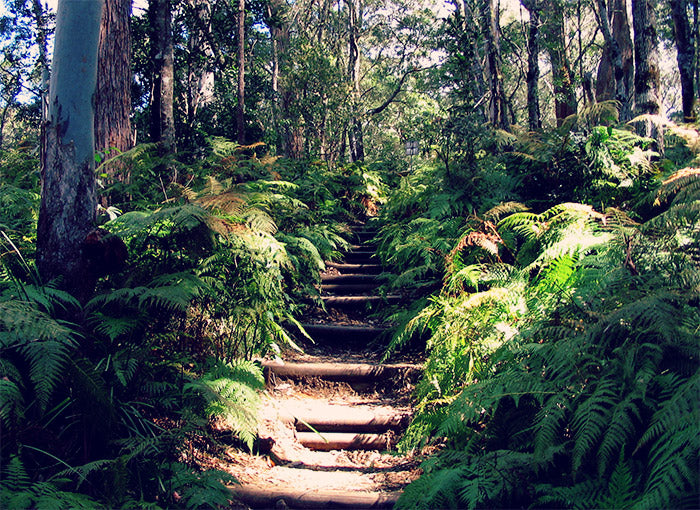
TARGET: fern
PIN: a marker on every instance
(197, 490)
(232, 394)
(18, 491)
(44, 343)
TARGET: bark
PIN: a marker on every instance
(473, 79)
(113, 98)
(533, 65)
(201, 56)
(615, 82)
(647, 80)
(43, 63)
(685, 55)
(498, 110)
(290, 130)
(554, 35)
(240, 110)
(68, 202)
(696, 36)
(355, 136)
(614, 56)
(162, 110)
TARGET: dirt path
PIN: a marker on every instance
(332, 416)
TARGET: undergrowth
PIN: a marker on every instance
(562, 345)
(203, 266)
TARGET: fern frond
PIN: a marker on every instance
(232, 393)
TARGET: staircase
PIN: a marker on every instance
(336, 411)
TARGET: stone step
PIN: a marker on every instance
(342, 372)
(342, 333)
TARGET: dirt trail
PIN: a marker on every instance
(332, 415)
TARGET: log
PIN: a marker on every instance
(337, 334)
(349, 278)
(358, 301)
(269, 497)
(355, 268)
(339, 418)
(327, 441)
(348, 288)
(349, 372)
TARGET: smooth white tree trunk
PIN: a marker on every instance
(68, 201)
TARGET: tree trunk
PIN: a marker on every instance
(473, 89)
(554, 34)
(615, 78)
(162, 110)
(201, 56)
(68, 202)
(533, 65)
(113, 99)
(43, 63)
(240, 110)
(685, 55)
(647, 80)
(355, 138)
(498, 110)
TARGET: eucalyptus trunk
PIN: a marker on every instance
(162, 109)
(240, 109)
(685, 55)
(533, 65)
(498, 110)
(473, 78)
(68, 203)
(355, 135)
(200, 62)
(615, 54)
(615, 79)
(113, 99)
(647, 79)
(40, 18)
(554, 35)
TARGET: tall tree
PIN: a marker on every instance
(162, 108)
(647, 78)
(356, 142)
(685, 54)
(68, 202)
(554, 36)
(201, 59)
(240, 110)
(113, 98)
(491, 27)
(615, 79)
(533, 64)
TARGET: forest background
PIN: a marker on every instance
(546, 235)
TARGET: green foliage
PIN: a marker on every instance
(566, 377)
(18, 491)
(231, 392)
